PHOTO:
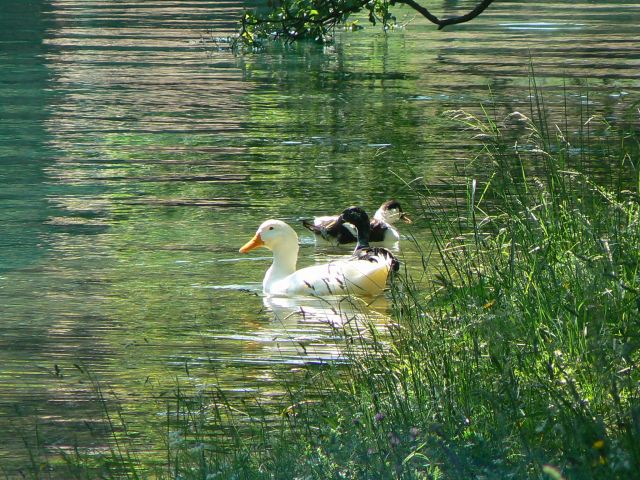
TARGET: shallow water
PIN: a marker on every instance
(137, 153)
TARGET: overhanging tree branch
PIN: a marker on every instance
(481, 7)
(294, 19)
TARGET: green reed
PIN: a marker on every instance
(522, 358)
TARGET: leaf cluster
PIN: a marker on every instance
(292, 20)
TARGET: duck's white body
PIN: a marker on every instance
(352, 275)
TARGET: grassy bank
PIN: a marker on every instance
(521, 360)
(518, 360)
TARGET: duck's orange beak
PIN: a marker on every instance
(252, 244)
(405, 218)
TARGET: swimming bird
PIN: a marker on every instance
(364, 273)
(357, 217)
(381, 226)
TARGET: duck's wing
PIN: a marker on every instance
(319, 221)
(348, 233)
(318, 280)
(325, 227)
(378, 255)
(342, 277)
(378, 230)
(330, 229)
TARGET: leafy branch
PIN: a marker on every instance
(316, 19)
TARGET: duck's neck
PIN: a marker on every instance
(363, 237)
(380, 215)
(285, 258)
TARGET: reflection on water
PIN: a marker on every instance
(137, 158)
(335, 311)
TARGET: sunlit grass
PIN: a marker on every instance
(520, 361)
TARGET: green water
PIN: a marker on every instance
(137, 153)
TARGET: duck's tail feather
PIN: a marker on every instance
(318, 229)
(310, 225)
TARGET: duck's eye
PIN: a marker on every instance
(270, 228)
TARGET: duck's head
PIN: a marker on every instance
(390, 212)
(357, 217)
(272, 234)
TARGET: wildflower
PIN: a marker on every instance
(598, 444)
(379, 417)
(414, 433)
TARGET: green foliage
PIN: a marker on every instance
(529, 346)
(309, 19)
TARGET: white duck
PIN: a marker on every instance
(365, 273)
(381, 226)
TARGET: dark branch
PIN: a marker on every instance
(420, 9)
(481, 7)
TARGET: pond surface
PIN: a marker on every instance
(138, 153)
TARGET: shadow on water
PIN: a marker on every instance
(24, 152)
